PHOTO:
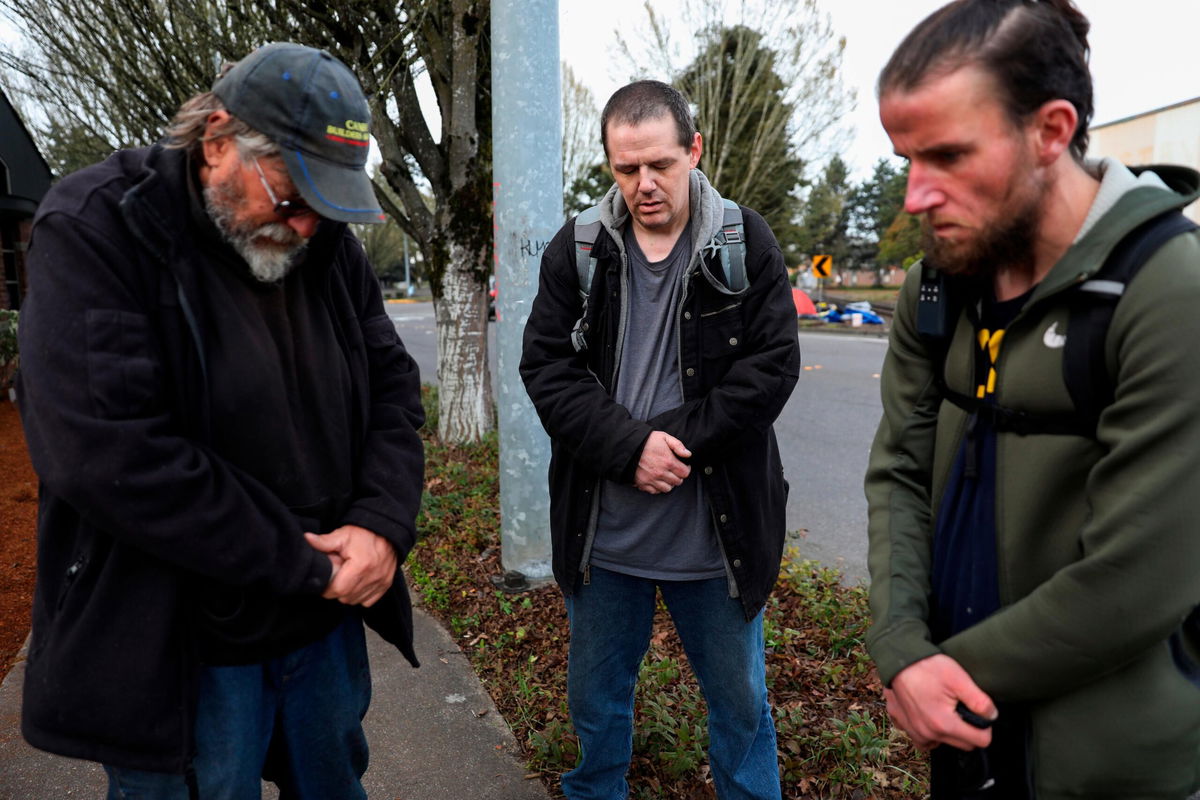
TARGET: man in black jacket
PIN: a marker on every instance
(224, 424)
(665, 471)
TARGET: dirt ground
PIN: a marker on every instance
(18, 536)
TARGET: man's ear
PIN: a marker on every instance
(213, 143)
(1053, 127)
(695, 150)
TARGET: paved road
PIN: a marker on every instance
(415, 324)
(824, 433)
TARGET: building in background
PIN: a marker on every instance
(24, 181)
(1169, 135)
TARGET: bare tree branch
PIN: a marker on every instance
(106, 74)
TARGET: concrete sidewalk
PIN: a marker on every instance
(434, 735)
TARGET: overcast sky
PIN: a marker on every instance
(1143, 53)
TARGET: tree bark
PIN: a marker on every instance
(466, 409)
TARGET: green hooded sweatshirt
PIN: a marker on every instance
(1098, 540)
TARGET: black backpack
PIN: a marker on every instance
(1092, 302)
(1092, 305)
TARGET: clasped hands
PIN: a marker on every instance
(659, 468)
(364, 564)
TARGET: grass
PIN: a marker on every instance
(835, 740)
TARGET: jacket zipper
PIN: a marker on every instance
(70, 576)
(594, 515)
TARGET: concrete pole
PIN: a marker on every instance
(527, 176)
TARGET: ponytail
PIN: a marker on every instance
(1036, 50)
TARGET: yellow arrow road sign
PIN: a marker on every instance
(822, 266)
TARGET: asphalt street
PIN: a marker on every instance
(824, 433)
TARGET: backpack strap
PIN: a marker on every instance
(1085, 368)
(587, 230)
(940, 304)
(940, 301)
(733, 259)
(1085, 371)
(729, 242)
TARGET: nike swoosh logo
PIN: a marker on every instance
(1053, 339)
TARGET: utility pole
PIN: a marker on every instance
(527, 171)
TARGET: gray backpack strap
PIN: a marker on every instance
(733, 249)
(587, 230)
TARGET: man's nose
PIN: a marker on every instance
(923, 193)
(647, 182)
(304, 224)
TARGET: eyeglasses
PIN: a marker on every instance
(283, 208)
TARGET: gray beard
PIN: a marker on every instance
(267, 264)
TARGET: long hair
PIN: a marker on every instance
(186, 131)
(1035, 50)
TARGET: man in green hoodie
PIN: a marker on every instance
(1037, 582)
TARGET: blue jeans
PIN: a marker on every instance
(298, 716)
(611, 620)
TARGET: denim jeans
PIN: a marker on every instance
(611, 621)
(298, 716)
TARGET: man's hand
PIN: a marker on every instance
(364, 564)
(659, 469)
(922, 700)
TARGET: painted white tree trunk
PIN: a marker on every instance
(465, 404)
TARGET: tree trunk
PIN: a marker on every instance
(466, 409)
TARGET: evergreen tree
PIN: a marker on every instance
(901, 242)
(824, 225)
(765, 77)
(743, 117)
(587, 189)
(877, 200)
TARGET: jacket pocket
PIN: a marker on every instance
(722, 332)
(122, 376)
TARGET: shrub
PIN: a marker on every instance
(8, 346)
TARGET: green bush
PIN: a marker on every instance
(835, 739)
(8, 346)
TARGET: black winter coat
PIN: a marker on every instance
(136, 510)
(739, 360)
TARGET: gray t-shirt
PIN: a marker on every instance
(665, 536)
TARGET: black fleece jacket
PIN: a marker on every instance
(140, 515)
(738, 359)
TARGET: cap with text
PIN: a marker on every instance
(312, 106)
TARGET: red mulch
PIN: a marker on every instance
(18, 536)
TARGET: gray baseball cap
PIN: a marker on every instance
(312, 106)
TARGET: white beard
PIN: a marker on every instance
(267, 263)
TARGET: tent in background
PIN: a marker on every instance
(804, 304)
